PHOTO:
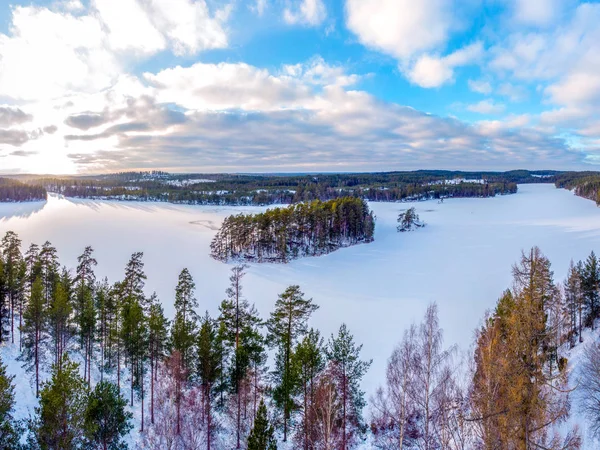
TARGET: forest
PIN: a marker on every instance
(302, 229)
(15, 191)
(239, 380)
(584, 184)
(206, 382)
(268, 189)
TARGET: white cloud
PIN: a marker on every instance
(306, 12)
(400, 28)
(432, 71)
(259, 7)
(188, 24)
(538, 12)
(50, 53)
(486, 107)
(129, 27)
(480, 86)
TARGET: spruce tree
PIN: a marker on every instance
(61, 412)
(591, 288)
(33, 331)
(262, 436)
(9, 428)
(574, 300)
(107, 421)
(350, 369)
(183, 332)
(287, 324)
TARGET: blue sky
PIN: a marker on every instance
(294, 85)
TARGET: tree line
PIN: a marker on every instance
(15, 191)
(198, 381)
(235, 189)
(303, 229)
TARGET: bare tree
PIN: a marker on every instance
(327, 412)
(430, 376)
(393, 405)
(589, 387)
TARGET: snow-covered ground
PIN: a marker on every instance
(461, 260)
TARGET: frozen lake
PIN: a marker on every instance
(461, 260)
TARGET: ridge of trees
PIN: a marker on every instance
(303, 229)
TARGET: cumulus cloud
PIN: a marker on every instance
(400, 28)
(305, 12)
(49, 53)
(433, 71)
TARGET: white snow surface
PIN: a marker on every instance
(461, 260)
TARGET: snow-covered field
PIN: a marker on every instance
(461, 260)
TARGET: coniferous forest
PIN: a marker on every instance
(98, 350)
(15, 191)
(303, 229)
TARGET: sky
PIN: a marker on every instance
(90, 86)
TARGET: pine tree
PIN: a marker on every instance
(13, 283)
(287, 324)
(350, 369)
(9, 428)
(49, 269)
(130, 297)
(59, 317)
(158, 327)
(208, 372)
(61, 412)
(134, 331)
(183, 332)
(239, 324)
(106, 420)
(262, 436)
(309, 362)
(85, 312)
(101, 305)
(33, 330)
(33, 269)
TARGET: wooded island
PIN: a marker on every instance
(303, 229)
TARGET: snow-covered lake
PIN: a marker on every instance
(461, 260)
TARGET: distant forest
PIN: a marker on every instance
(272, 189)
(15, 191)
(269, 189)
(303, 229)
